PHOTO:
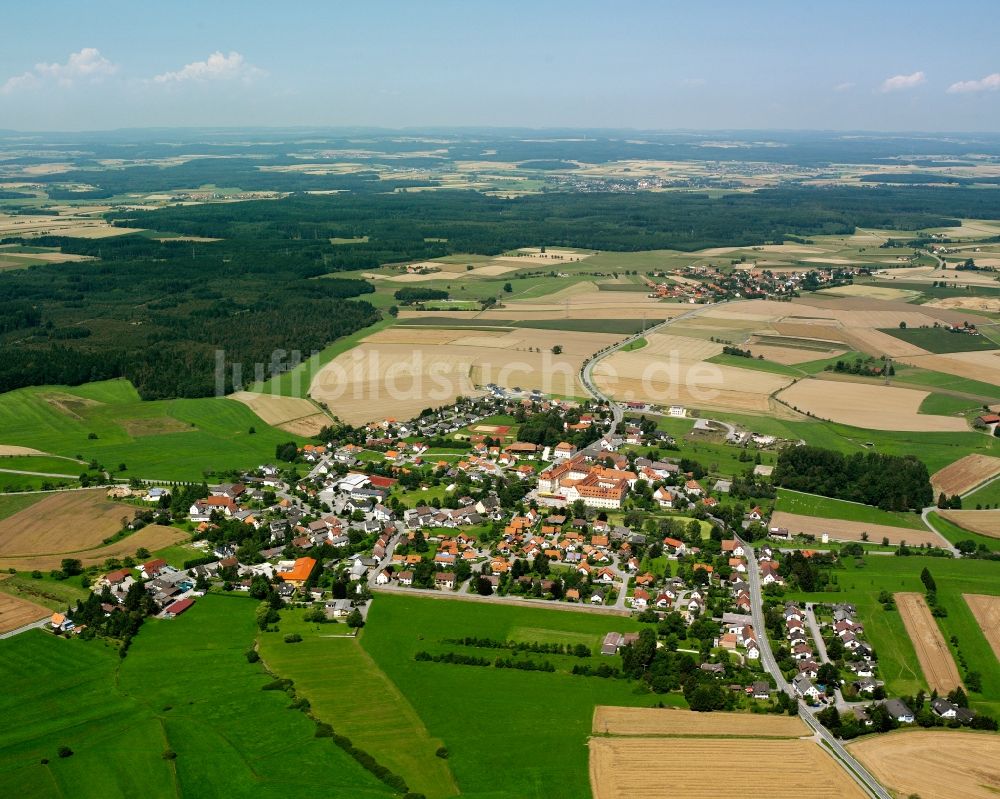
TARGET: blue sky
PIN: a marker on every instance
(913, 65)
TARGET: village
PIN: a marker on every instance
(519, 522)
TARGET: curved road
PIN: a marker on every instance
(587, 370)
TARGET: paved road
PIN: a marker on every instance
(501, 600)
(33, 626)
(858, 772)
(587, 370)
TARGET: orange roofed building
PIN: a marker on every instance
(300, 572)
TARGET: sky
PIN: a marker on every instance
(885, 66)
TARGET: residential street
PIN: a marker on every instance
(858, 772)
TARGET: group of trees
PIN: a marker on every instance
(889, 482)
(160, 313)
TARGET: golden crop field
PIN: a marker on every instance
(152, 537)
(940, 764)
(696, 768)
(843, 530)
(965, 474)
(984, 522)
(933, 654)
(396, 373)
(671, 721)
(296, 415)
(16, 612)
(986, 609)
(62, 522)
(876, 407)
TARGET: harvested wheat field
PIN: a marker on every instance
(672, 370)
(870, 291)
(8, 450)
(933, 654)
(986, 609)
(991, 304)
(965, 474)
(944, 764)
(693, 768)
(671, 721)
(790, 356)
(984, 522)
(579, 301)
(983, 365)
(385, 377)
(293, 414)
(16, 612)
(152, 537)
(62, 522)
(843, 530)
(870, 406)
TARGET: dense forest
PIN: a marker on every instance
(397, 224)
(157, 313)
(890, 482)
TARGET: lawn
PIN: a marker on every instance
(509, 733)
(162, 440)
(939, 340)
(185, 686)
(897, 659)
(815, 505)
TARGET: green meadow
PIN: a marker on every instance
(897, 659)
(815, 505)
(372, 690)
(509, 732)
(185, 687)
(161, 440)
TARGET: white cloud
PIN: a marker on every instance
(693, 82)
(216, 67)
(990, 83)
(843, 87)
(899, 82)
(86, 65)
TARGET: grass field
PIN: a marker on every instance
(185, 686)
(815, 505)
(161, 440)
(897, 658)
(954, 533)
(947, 405)
(45, 590)
(539, 749)
(988, 495)
(348, 690)
(11, 504)
(939, 340)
